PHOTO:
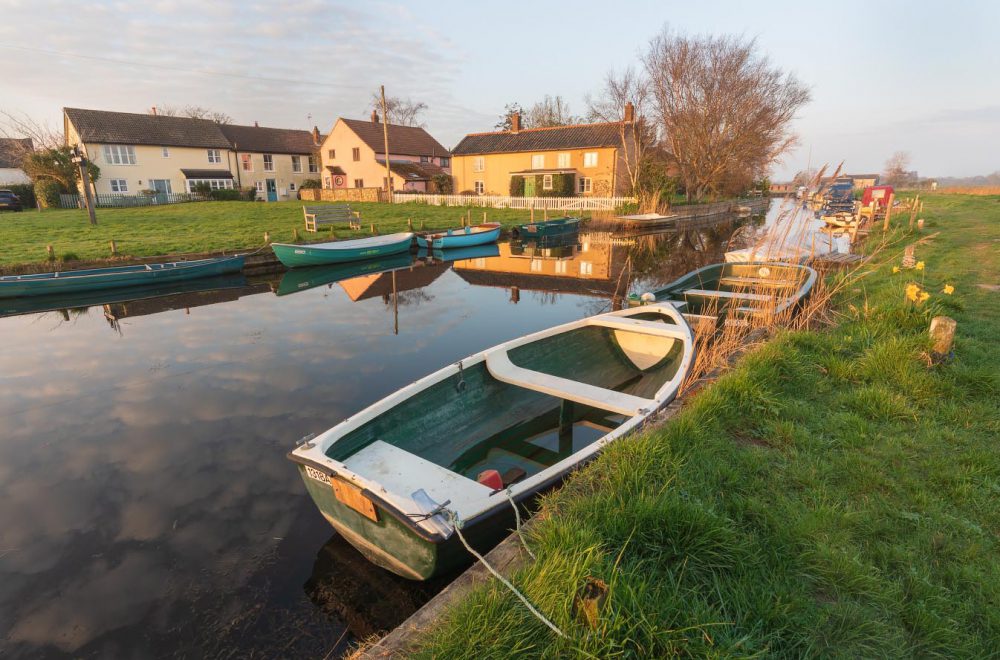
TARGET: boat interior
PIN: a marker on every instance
(740, 288)
(524, 407)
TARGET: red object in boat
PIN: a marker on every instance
(879, 193)
(490, 478)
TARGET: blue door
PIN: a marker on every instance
(272, 190)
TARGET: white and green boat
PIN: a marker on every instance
(500, 425)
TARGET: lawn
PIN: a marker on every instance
(832, 495)
(200, 227)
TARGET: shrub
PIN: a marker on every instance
(24, 191)
(309, 184)
(562, 186)
(517, 186)
(442, 183)
(47, 193)
(249, 194)
(202, 188)
(225, 195)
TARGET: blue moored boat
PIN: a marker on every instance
(74, 281)
(335, 252)
(483, 234)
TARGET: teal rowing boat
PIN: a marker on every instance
(303, 279)
(448, 454)
(547, 227)
(336, 252)
(76, 281)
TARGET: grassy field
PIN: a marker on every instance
(200, 227)
(832, 495)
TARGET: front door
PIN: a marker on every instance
(161, 186)
(272, 190)
(529, 186)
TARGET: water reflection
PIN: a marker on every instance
(147, 505)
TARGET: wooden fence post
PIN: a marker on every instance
(888, 211)
(913, 210)
(943, 334)
(50, 252)
(295, 233)
(920, 224)
(114, 248)
(267, 238)
(409, 223)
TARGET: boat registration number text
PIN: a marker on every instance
(313, 473)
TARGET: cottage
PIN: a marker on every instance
(862, 181)
(353, 156)
(583, 159)
(12, 152)
(163, 154)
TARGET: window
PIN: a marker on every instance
(165, 152)
(291, 185)
(480, 262)
(268, 163)
(564, 160)
(425, 159)
(359, 183)
(246, 160)
(590, 159)
(586, 268)
(214, 184)
(214, 156)
(546, 182)
(480, 187)
(326, 182)
(119, 186)
(260, 186)
(536, 265)
(584, 185)
(479, 164)
(538, 161)
(118, 154)
(296, 164)
(446, 162)
(331, 153)
(356, 154)
(312, 164)
(561, 267)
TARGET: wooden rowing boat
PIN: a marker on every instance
(547, 227)
(508, 422)
(483, 234)
(734, 290)
(335, 252)
(94, 279)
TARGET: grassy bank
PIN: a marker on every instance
(200, 227)
(832, 495)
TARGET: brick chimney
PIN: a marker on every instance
(152, 110)
(374, 117)
(515, 122)
(629, 112)
(255, 124)
(315, 134)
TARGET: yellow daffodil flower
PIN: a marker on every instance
(920, 265)
(895, 269)
(911, 292)
(923, 296)
(948, 289)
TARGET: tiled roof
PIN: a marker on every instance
(404, 140)
(541, 139)
(13, 150)
(260, 139)
(104, 127)
(411, 171)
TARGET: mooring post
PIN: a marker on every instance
(909, 259)
(920, 224)
(267, 238)
(484, 217)
(295, 233)
(943, 335)
(409, 223)
(114, 248)
(888, 212)
(50, 252)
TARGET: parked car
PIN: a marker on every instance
(9, 201)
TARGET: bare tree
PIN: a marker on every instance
(198, 112)
(400, 111)
(508, 110)
(550, 111)
(627, 89)
(724, 110)
(20, 125)
(897, 169)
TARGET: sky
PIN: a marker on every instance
(884, 77)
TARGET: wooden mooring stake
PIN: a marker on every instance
(888, 211)
(50, 252)
(267, 238)
(114, 248)
(295, 233)
(943, 335)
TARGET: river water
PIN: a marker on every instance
(146, 505)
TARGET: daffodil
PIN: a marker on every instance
(895, 269)
(948, 289)
(920, 265)
(923, 296)
(911, 292)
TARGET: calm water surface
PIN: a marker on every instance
(146, 504)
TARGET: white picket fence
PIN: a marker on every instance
(504, 202)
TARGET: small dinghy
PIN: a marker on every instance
(94, 279)
(499, 426)
(336, 252)
(547, 227)
(734, 290)
(483, 234)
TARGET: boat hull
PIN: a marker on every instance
(296, 256)
(68, 282)
(548, 227)
(455, 240)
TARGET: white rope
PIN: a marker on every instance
(517, 520)
(453, 517)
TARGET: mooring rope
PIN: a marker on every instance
(453, 518)
(517, 522)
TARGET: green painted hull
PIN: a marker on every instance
(319, 254)
(547, 227)
(96, 279)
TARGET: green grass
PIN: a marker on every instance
(832, 495)
(201, 227)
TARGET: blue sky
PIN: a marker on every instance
(884, 76)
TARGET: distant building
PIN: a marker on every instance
(353, 156)
(12, 153)
(139, 152)
(783, 189)
(588, 155)
(862, 181)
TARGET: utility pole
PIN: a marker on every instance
(385, 134)
(81, 162)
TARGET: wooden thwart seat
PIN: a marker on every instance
(759, 281)
(329, 215)
(734, 295)
(638, 325)
(501, 368)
